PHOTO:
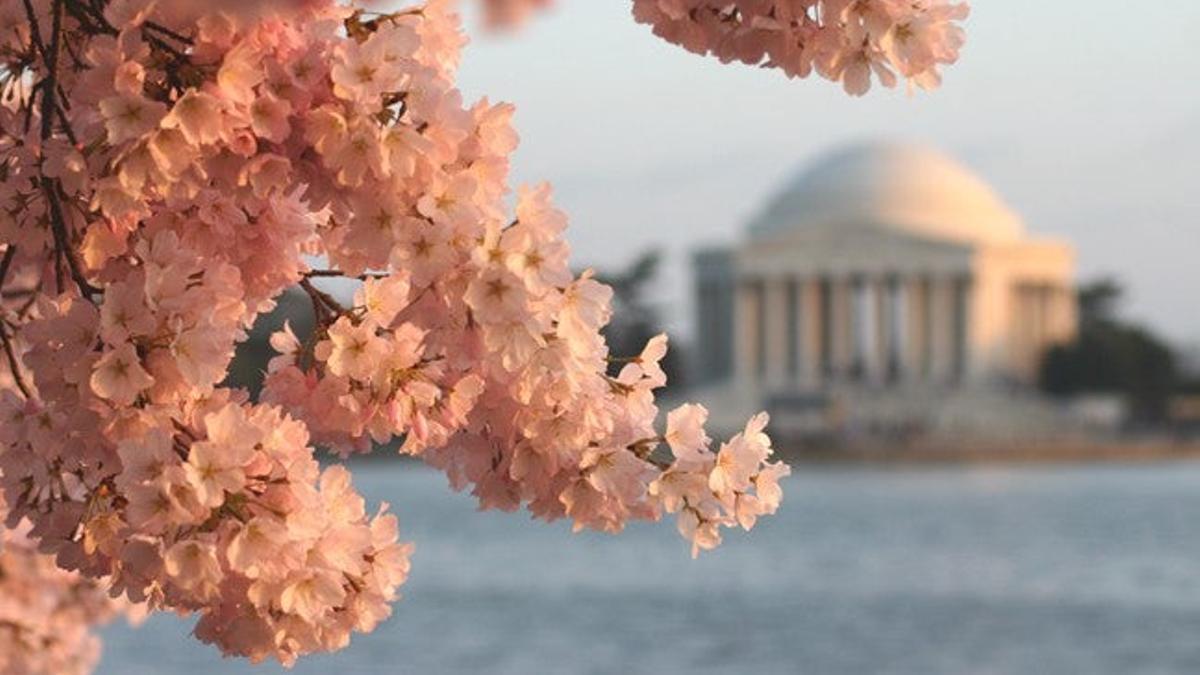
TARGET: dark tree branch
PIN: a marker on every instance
(64, 250)
(338, 274)
(14, 365)
(168, 32)
(9, 254)
(325, 303)
(50, 58)
(90, 17)
(34, 29)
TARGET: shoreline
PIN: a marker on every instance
(903, 454)
(909, 453)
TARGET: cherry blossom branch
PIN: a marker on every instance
(14, 364)
(322, 301)
(14, 367)
(176, 54)
(847, 42)
(35, 31)
(50, 59)
(62, 241)
(91, 18)
(23, 310)
(45, 616)
(64, 249)
(10, 254)
(168, 32)
(644, 449)
(338, 274)
(470, 339)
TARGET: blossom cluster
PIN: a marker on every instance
(511, 12)
(229, 516)
(846, 41)
(169, 170)
(46, 613)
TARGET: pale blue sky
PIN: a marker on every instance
(1085, 116)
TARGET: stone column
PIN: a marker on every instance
(1026, 329)
(809, 332)
(961, 365)
(941, 307)
(917, 335)
(1041, 325)
(882, 308)
(860, 328)
(841, 345)
(828, 320)
(775, 321)
(746, 315)
(895, 328)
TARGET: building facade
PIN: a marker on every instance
(882, 268)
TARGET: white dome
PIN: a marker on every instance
(911, 189)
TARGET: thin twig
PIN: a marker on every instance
(155, 41)
(58, 226)
(168, 32)
(14, 365)
(50, 188)
(66, 125)
(23, 311)
(329, 302)
(96, 15)
(5, 264)
(36, 31)
(50, 91)
(342, 275)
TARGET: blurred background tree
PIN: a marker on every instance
(636, 318)
(1111, 355)
(249, 365)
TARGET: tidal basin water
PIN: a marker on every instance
(932, 570)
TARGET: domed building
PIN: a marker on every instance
(885, 275)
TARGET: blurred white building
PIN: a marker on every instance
(887, 287)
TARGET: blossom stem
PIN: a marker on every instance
(50, 188)
(35, 30)
(23, 310)
(340, 274)
(168, 32)
(50, 58)
(9, 254)
(91, 18)
(14, 364)
(62, 240)
(322, 298)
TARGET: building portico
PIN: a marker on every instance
(884, 267)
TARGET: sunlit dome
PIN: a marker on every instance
(905, 188)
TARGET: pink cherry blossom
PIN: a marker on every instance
(846, 41)
(685, 434)
(198, 115)
(46, 613)
(128, 116)
(172, 168)
(119, 376)
(353, 351)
